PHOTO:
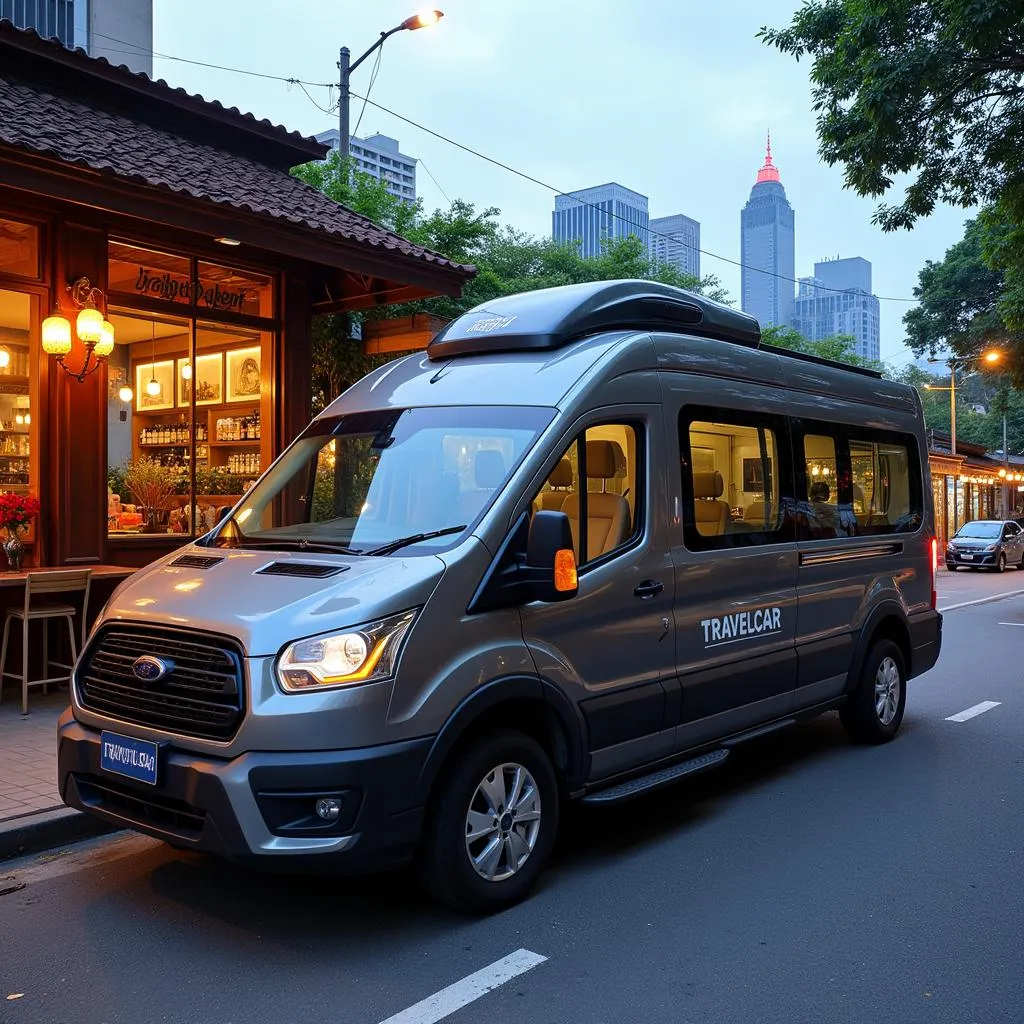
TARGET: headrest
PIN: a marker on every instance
(488, 469)
(708, 485)
(561, 475)
(819, 491)
(605, 460)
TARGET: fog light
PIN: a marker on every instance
(328, 808)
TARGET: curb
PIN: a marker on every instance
(44, 830)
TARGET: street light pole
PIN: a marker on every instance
(346, 66)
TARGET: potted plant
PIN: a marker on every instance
(151, 485)
(16, 514)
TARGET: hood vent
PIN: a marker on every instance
(307, 570)
(197, 561)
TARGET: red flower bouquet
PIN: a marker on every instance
(17, 511)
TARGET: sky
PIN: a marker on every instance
(668, 97)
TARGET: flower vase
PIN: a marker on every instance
(14, 549)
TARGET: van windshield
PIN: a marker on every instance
(402, 480)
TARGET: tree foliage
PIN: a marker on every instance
(929, 90)
(840, 348)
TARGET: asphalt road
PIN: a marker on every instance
(806, 881)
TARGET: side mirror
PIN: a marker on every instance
(551, 558)
(536, 562)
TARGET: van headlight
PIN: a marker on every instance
(363, 654)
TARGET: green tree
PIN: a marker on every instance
(840, 348)
(928, 89)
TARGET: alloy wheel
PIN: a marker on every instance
(503, 822)
(887, 690)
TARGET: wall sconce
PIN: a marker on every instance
(91, 326)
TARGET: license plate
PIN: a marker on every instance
(967, 558)
(125, 755)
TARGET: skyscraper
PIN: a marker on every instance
(119, 30)
(838, 300)
(767, 246)
(676, 240)
(591, 216)
(379, 157)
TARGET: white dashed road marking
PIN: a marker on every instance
(981, 600)
(978, 709)
(454, 997)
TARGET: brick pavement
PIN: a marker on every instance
(28, 751)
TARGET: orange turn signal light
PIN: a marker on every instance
(565, 571)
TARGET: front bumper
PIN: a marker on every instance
(972, 559)
(258, 807)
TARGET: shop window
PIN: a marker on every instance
(732, 484)
(609, 456)
(230, 290)
(19, 468)
(19, 249)
(886, 487)
(187, 407)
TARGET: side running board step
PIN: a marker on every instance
(662, 777)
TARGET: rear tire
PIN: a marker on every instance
(875, 709)
(491, 825)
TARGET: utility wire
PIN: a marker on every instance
(435, 181)
(369, 89)
(481, 156)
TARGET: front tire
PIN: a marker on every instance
(1001, 563)
(875, 709)
(491, 826)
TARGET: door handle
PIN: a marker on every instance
(649, 588)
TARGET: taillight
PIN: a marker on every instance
(935, 569)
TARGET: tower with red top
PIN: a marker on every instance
(768, 249)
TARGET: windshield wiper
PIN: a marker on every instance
(299, 544)
(414, 538)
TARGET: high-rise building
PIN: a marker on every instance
(380, 158)
(838, 300)
(767, 246)
(676, 240)
(119, 30)
(593, 216)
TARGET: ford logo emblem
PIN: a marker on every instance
(150, 669)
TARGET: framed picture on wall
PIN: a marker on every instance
(243, 374)
(754, 476)
(163, 373)
(209, 379)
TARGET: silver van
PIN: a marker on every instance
(589, 542)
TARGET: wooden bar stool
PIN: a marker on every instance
(42, 585)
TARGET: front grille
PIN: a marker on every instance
(201, 695)
(151, 809)
(197, 561)
(307, 570)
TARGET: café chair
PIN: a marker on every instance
(43, 585)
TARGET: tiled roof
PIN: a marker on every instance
(55, 123)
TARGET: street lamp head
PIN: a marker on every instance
(422, 20)
(992, 356)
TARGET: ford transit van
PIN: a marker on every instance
(586, 544)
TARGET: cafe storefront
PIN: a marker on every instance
(966, 486)
(159, 271)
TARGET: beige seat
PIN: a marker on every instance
(710, 514)
(560, 482)
(42, 585)
(755, 513)
(608, 517)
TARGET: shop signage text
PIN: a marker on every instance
(171, 288)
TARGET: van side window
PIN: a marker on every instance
(609, 458)
(732, 475)
(826, 511)
(886, 490)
